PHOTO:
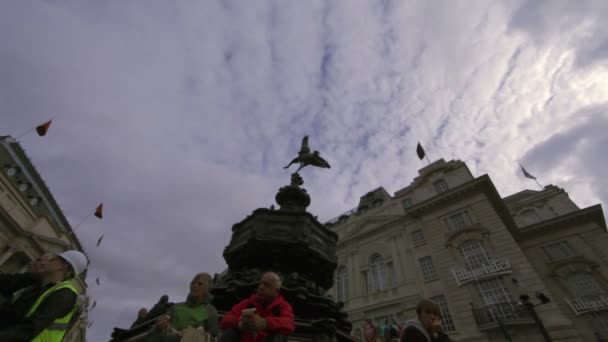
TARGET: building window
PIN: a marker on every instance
(584, 285)
(474, 254)
(342, 284)
(458, 220)
(600, 323)
(407, 203)
(418, 237)
(379, 276)
(498, 299)
(440, 186)
(558, 251)
(428, 271)
(529, 216)
(447, 323)
(365, 276)
(390, 273)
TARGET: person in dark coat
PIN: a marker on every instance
(141, 317)
(159, 308)
(427, 326)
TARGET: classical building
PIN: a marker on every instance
(451, 237)
(31, 222)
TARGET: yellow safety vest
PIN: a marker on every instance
(56, 331)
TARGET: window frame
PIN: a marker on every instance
(418, 237)
(441, 186)
(558, 250)
(458, 220)
(407, 203)
(447, 322)
(342, 290)
(379, 276)
(428, 269)
(590, 283)
(474, 254)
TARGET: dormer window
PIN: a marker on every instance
(529, 216)
(440, 186)
(407, 203)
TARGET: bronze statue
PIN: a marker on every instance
(306, 158)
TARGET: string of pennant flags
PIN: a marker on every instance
(42, 130)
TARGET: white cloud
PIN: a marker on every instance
(180, 116)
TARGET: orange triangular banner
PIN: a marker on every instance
(42, 129)
(99, 211)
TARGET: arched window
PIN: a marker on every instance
(529, 216)
(474, 254)
(342, 284)
(379, 277)
(585, 285)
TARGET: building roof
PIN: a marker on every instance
(16, 154)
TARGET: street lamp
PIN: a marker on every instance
(525, 301)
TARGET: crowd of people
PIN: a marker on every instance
(425, 327)
(41, 304)
(266, 316)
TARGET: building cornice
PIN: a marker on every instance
(29, 170)
(356, 233)
(531, 200)
(590, 214)
(482, 184)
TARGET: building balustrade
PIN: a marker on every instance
(495, 315)
(588, 304)
(492, 268)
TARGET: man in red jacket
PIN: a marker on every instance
(267, 315)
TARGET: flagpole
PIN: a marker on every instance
(427, 158)
(541, 187)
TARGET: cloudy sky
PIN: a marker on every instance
(179, 115)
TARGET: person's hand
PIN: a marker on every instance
(163, 323)
(247, 323)
(259, 323)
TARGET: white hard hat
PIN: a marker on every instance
(76, 259)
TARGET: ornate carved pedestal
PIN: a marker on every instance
(292, 242)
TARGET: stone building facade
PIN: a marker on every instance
(32, 223)
(451, 237)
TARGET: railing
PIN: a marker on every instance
(590, 304)
(501, 313)
(491, 268)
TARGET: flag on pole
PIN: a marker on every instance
(99, 211)
(420, 151)
(93, 306)
(99, 240)
(91, 323)
(526, 173)
(42, 129)
(97, 281)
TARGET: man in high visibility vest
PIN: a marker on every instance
(43, 301)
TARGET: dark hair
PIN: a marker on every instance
(427, 306)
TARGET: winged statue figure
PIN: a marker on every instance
(306, 158)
